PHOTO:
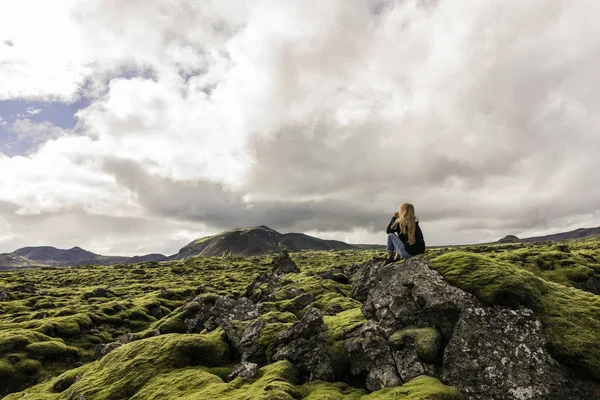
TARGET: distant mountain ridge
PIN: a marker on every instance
(580, 233)
(44, 256)
(254, 241)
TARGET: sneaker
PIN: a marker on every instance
(389, 260)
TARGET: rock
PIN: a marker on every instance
(304, 300)
(369, 352)
(25, 288)
(247, 371)
(336, 274)
(248, 346)
(41, 315)
(365, 279)
(226, 311)
(592, 285)
(155, 311)
(333, 309)
(306, 345)
(265, 285)
(196, 313)
(283, 264)
(103, 349)
(4, 295)
(499, 353)
(13, 358)
(415, 352)
(409, 294)
(258, 289)
(166, 294)
(127, 338)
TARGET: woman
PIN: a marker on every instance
(404, 234)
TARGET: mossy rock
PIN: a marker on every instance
(51, 350)
(570, 317)
(138, 362)
(68, 378)
(426, 340)
(341, 324)
(19, 339)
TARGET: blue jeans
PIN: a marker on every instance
(394, 243)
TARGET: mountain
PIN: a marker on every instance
(510, 239)
(254, 241)
(580, 233)
(51, 256)
(11, 260)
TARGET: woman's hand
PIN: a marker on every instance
(396, 214)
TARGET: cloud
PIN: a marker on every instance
(33, 111)
(312, 116)
(2, 122)
(9, 43)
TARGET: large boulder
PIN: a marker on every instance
(306, 345)
(409, 294)
(499, 353)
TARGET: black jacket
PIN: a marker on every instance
(414, 249)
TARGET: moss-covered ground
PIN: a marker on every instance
(52, 319)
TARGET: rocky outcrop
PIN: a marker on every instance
(410, 295)
(419, 324)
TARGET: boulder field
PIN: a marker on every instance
(404, 332)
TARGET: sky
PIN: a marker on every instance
(131, 127)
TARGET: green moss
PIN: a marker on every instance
(571, 317)
(7, 371)
(341, 324)
(221, 372)
(427, 341)
(268, 335)
(138, 362)
(28, 367)
(51, 350)
(18, 339)
(335, 301)
(420, 388)
(68, 378)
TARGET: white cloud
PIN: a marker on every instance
(484, 114)
(33, 111)
(2, 121)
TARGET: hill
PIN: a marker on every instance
(580, 233)
(510, 239)
(11, 260)
(254, 241)
(51, 256)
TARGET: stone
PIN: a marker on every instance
(498, 353)
(409, 294)
(369, 352)
(245, 370)
(306, 345)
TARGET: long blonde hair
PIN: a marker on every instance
(407, 221)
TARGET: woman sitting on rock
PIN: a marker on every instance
(404, 234)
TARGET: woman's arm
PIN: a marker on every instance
(389, 227)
